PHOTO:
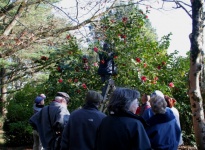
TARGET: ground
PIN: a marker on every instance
(2, 147)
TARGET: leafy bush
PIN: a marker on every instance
(143, 64)
(17, 130)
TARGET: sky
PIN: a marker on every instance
(178, 23)
(175, 21)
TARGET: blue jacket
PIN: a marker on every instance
(163, 131)
(148, 113)
(122, 131)
(80, 132)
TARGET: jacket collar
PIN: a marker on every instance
(130, 115)
(90, 106)
(161, 118)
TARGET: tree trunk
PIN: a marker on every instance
(196, 65)
(3, 93)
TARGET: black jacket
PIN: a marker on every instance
(124, 131)
(80, 132)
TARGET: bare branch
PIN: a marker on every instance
(78, 26)
(14, 20)
(9, 7)
(179, 4)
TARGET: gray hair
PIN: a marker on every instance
(122, 99)
(158, 104)
(57, 98)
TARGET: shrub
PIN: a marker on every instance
(17, 130)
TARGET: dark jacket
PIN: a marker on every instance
(124, 131)
(58, 115)
(80, 132)
(164, 133)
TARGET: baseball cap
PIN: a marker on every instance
(38, 99)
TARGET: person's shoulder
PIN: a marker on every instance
(101, 113)
(174, 109)
(76, 111)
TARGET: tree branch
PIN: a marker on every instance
(9, 7)
(14, 20)
(75, 27)
(180, 5)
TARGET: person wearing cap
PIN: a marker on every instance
(38, 105)
(51, 120)
(80, 132)
(148, 113)
(163, 130)
(122, 129)
(171, 103)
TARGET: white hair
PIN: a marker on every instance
(158, 104)
(134, 105)
(57, 98)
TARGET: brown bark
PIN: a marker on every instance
(196, 59)
(14, 20)
(3, 93)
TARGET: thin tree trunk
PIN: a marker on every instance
(196, 65)
(14, 20)
(3, 93)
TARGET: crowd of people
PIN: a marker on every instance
(152, 124)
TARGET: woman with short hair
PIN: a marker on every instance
(163, 131)
(122, 129)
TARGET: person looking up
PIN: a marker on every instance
(38, 105)
(122, 129)
(80, 132)
(145, 104)
(148, 112)
(51, 120)
(163, 131)
(171, 103)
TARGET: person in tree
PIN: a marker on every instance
(38, 105)
(51, 120)
(80, 132)
(107, 66)
(163, 130)
(122, 129)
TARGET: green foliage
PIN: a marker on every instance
(17, 130)
(142, 62)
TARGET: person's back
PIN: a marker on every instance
(122, 133)
(80, 132)
(122, 129)
(163, 131)
(148, 113)
(51, 119)
(38, 105)
(166, 133)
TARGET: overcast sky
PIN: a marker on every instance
(177, 22)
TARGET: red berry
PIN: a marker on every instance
(60, 80)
